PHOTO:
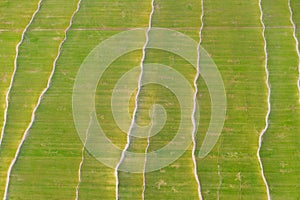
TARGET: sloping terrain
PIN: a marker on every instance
(255, 45)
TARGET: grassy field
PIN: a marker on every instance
(14, 18)
(176, 181)
(233, 37)
(281, 145)
(49, 161)
(35, 63)
(54, 148)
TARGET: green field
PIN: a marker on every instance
(48, 164)
(233, 36)
(281, 139)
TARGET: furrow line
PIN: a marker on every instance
(195, 106)
(82, 160)
(269, 104)
(136, 101)
(219, 174)
(146, 151)
(220, 182)
(15, 70)
(239, 177)
(148, 138)
(297, 43)
(38, 103)
(145, 167)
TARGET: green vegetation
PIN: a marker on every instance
(177, 180)
(233, 37)
(281, 143)
(35, 60)
(48, 164)
(14, 18)
(296, 16)
(53, 148)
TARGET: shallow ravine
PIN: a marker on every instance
(194, 113)
(268, 97)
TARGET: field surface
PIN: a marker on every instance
(255, 46)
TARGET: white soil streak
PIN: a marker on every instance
(297, 44)
(82, 160)
(136, 101)
(15, 70)
(219, 175)
(239, 176)
(195, 106)
(38, 103)
(145, 167)
(220, 182)
(146, 152)
(269, 104)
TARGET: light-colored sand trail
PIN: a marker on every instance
(195, 106)
(269, 104)
(38, 103)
